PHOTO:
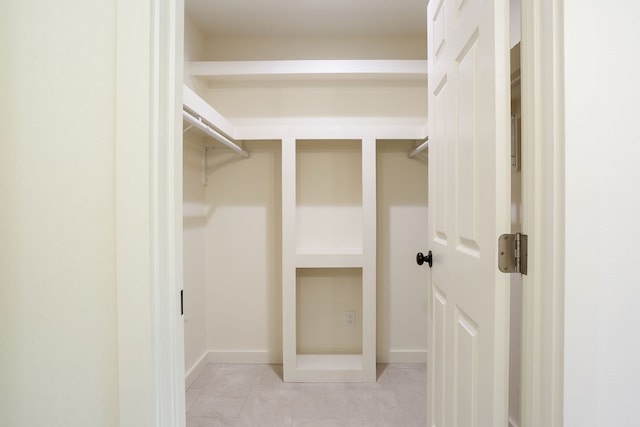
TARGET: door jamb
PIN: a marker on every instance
(543, 212)
(148, 212)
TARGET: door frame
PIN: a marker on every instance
(148, 200)
(543, 212)
(148, 212)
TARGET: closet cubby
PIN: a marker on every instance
(329, 259)
(323, 297)
(329, 197)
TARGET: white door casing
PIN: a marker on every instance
(469, 177)
(148, 212)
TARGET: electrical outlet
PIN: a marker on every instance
(350, 318)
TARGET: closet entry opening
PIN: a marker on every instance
(305, 201)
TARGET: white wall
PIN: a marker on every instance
(602, 292)
(58, 345)
(194, 251)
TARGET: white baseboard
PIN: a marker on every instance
(196, 369)
(403, 356)
(512, 423)
(243, 357)
(393, 356)
(264, 357)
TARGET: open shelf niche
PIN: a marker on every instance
(329, 259)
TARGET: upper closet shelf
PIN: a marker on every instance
(311, 69)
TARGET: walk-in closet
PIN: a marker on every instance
(305, 198)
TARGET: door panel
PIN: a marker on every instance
(440, 203)
(469, 208)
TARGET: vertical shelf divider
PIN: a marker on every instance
(369, 259)
(289, 359)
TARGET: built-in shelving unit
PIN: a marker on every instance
(329, 259)
(328, 205)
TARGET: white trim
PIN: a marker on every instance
(241, 357)
(265, 357)
(196, 370)
(543, 214)
(148, 203)
(369, 258)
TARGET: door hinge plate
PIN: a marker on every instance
(512, 253)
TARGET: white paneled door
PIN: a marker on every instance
(469, 198)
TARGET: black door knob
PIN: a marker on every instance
(421, 259)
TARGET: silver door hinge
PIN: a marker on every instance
(512, 253)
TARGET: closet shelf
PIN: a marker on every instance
(328, 257)
(328, 368)
(310, 69)
(329, 361)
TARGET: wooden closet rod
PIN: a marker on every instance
(197, 122)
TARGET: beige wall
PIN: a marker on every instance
(323, 296)
(263, 48)
(318, 99)
(194, 250)
(244, 253)
(243, 256)
(194, 46)
(58, 343)
(402, 233)
(292, 48)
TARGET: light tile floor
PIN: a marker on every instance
(255, 396)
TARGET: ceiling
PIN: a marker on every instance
(309, 18)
